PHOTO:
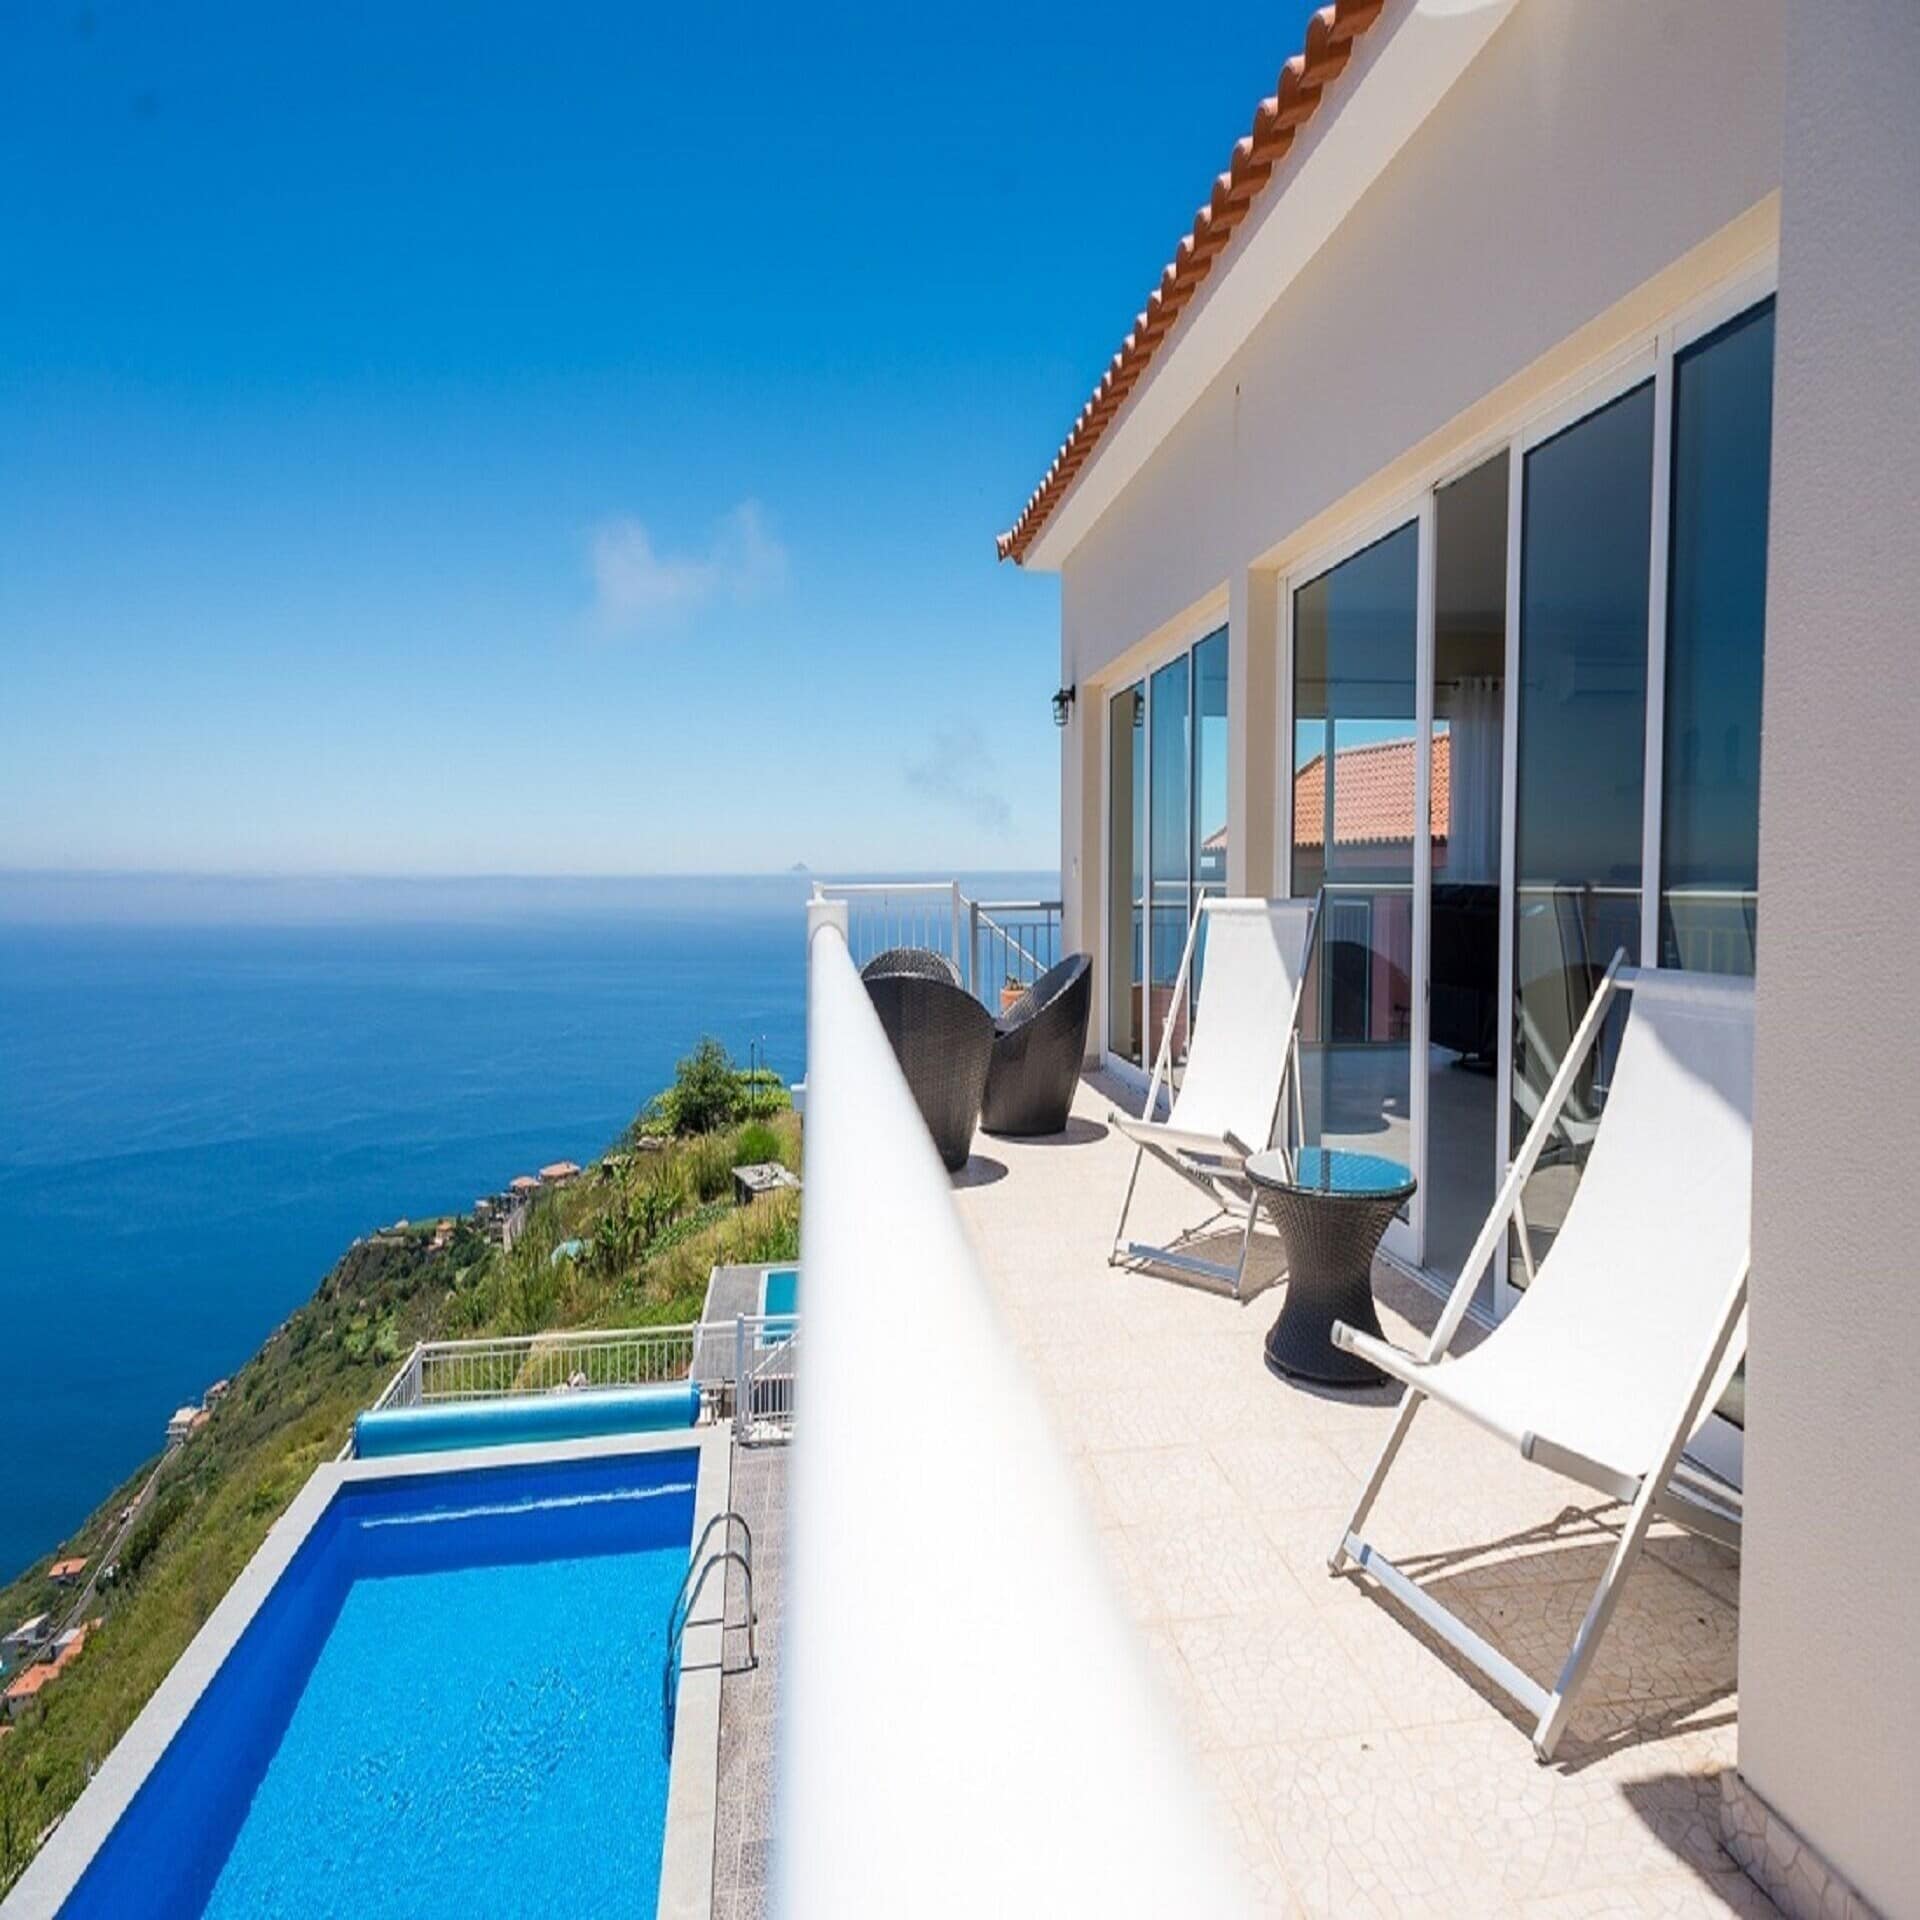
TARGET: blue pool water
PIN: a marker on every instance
(449, 1705)
(779, 1303)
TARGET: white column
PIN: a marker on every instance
(1253, 739)
(1830, 1580)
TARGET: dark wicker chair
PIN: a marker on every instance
(919, 963)
(943, 1039)
(1039, 1044)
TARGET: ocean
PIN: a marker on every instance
(207, 1090)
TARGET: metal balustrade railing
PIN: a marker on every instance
(766, 1360)
(437, 1371)
(937, 1553)
(992, 943)
(1012, 943)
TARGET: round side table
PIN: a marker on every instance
(1330, 1209)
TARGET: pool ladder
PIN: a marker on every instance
(685, 1600)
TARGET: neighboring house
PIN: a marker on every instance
(27, 1687)
(183, 1422)
(63, 1573)
(559, 1173)
(1520, 399)
(29, 1635)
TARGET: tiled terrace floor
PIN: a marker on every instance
(1360, 1771)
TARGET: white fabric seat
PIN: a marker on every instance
(1254, 954)
(1633, 1324)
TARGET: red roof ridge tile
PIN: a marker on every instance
(1330, 36)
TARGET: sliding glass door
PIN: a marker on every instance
(1354, 830)
(1166, 841)
(1525, 736)
(1169, 704)
(1581, 725)
(1126, 869)
(1716, 615)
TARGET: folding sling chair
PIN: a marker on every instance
(1242, 1053)
(1633, 1323)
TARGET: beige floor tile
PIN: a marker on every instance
(1265, 1676)
(1359, 1828)
(1212, 1564)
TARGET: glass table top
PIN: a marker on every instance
(1332, 1170)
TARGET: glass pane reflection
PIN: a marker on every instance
(1586, 545)
(1716, 619)
(1353, 832)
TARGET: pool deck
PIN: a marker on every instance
(1359, 1770)
(743, 1829)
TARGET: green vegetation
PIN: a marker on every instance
(709, 1093)
(649, 1222)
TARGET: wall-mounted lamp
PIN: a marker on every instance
(1062, 706)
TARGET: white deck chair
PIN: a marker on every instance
(1635, 1321)
(1240, 1055)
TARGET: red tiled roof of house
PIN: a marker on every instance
(1372, 794)
(66, 1569)
(30, 1682)
(560, 1170)
(1278, 119)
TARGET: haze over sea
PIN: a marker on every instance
(209, 1088)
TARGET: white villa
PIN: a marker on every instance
(1538, 381)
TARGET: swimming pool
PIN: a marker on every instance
(448, 1702)
(779, 1304)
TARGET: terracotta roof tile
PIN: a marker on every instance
(1330, 37)
(1372, 794)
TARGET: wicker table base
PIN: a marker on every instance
(1330, 1236)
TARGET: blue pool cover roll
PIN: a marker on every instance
(589, 1414)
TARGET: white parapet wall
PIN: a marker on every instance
(968, 1724)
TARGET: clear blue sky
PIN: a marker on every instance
(570, 439)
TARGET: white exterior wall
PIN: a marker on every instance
(1597, 165)
(1830, 1590)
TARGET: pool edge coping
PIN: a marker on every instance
(55, 1871)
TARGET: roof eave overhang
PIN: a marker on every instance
(1400, 74)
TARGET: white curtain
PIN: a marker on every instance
(1473, 793)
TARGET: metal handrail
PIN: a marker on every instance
(676, 1633)
(706, 1534)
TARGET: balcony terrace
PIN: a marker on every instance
(1360, 1767)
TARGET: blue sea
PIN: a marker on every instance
(207, 1089)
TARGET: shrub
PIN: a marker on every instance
(763, 1091)
(706, 1091)
(709, 1166)
(663, 1200)
(709, 1093)
(755, 1144)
